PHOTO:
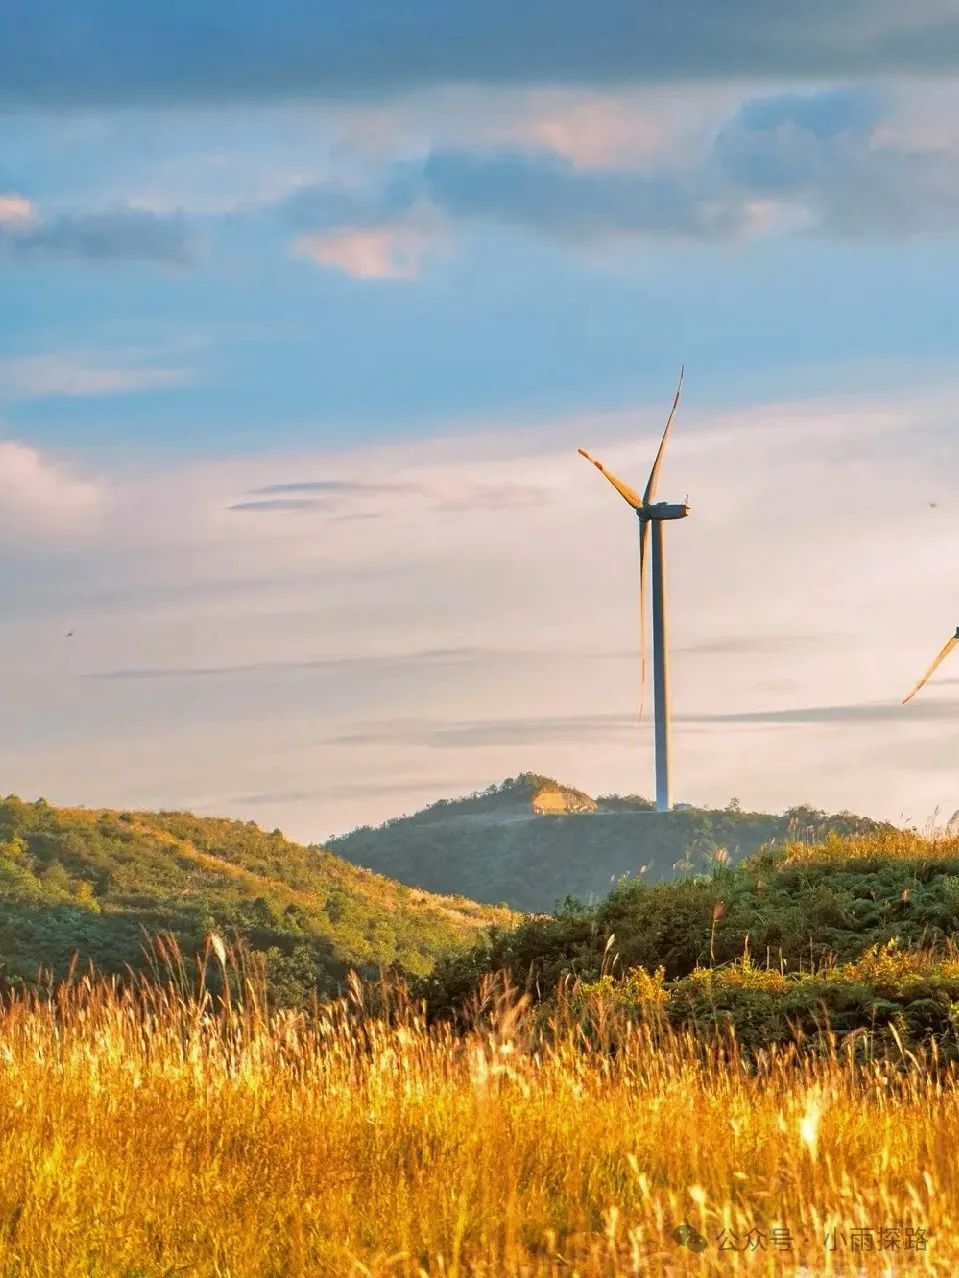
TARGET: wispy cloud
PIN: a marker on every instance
(535, 730)
(329, 496)
(335, 486)
(342, 662)
(335, 496)
(928, 711)
(583, 728)
(335, 662)
(79, 375)
(354, 791)
(283, 504)
(747, 645)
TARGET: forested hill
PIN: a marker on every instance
(93, 883)
(531, 842)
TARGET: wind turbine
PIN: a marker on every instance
(953, 642)
(655, 514)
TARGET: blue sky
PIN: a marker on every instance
(442, 246)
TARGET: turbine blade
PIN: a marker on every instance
(654, 473)
(624, 490)
(938, 661)
(643, 538)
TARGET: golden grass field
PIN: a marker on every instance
(140, 1134)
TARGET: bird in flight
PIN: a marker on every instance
(953, 642)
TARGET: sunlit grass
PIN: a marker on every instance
(931, 845)
(140, 1133)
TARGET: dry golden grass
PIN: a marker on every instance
(140, 1134)
(878, 846)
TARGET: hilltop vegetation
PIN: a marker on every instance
(493, 847)
(859, 932)
(858, 929)
(92, 884)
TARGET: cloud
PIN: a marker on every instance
(536, 189)
(123, 234)
(38, 376)
(393, 660)
(337, 486)
(273, 797)
(15, 210)
(334, 496)
(363, 791)
(583, 728)
(745, 645)
(864, 712)
(548, 193)
(325, 495)
(594, 128)
(370, 662)
(387, 252)
(596, 132)
(180, 53)
(823, 153)
(534, 730)
(281, 504)
(829, 162)
(791, 142)
(39, 496)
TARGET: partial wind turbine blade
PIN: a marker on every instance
(624, 490)
(643, 541)
(953, 642)
(654, 473)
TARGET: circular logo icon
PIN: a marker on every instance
(686, 1236)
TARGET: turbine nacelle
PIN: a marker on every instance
(663, 510)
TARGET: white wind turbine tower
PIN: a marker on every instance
(655, 514)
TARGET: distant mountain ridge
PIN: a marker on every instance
(531, 841)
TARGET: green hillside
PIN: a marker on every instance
(92, 883)
(858, 931)
(495, 847)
